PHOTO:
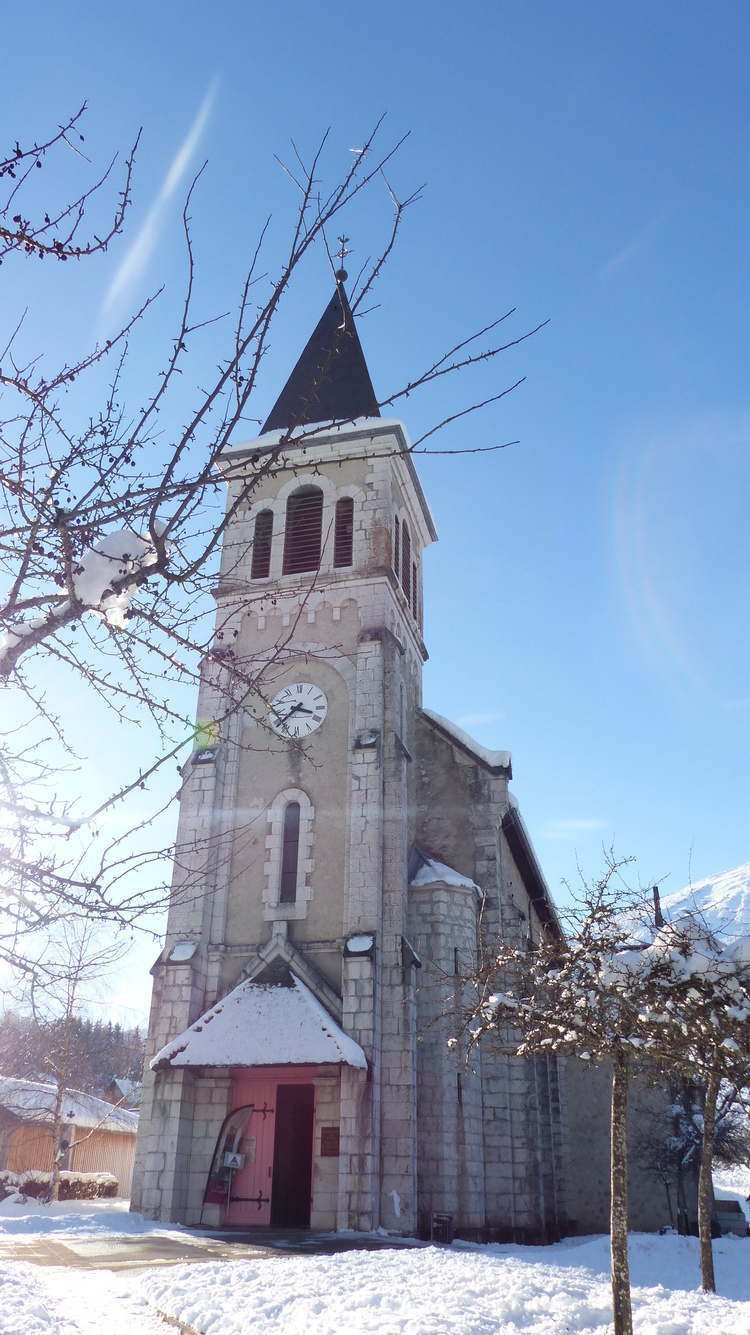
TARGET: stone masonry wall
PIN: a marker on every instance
(588, 1091)
(324, 1216)
(211, 1097)
(460, 809)
(443, 927)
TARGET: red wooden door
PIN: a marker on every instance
(250, 1193)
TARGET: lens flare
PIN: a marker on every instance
(682, 553)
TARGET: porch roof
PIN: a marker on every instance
(263, 1024)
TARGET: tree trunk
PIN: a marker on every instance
(683, 1221)
(618, 1225)
(56, 1138)
(705, 1185)
(61, 1077)
(669, 1202)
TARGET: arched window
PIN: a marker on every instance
(343, 536)
(396, 547)
(290, 854)
(406, 562)
(414, 589)
(304, 526)
(290, 860)
(261, 563)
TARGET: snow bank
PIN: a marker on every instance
(464, 1290)
(55, 1300)
(24, 1303)
(37, 1184)
(84, 1217)
(735, 1179)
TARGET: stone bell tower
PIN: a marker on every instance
(295, 828)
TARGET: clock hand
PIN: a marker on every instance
(296, 709)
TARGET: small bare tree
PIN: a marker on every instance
(74, 959)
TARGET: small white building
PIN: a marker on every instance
(96, 1136)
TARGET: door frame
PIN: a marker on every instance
(278, 1075)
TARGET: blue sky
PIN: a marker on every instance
(586, 163)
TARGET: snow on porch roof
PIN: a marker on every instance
(263, 1024)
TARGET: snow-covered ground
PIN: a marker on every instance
(461, 1290)
(36, 1300)
(56, 1301)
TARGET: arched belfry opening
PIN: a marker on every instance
(262, 539)
(304, 530)
(343, 539)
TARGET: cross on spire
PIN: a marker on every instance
(341, 254)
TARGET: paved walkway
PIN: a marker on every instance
(141, 1251)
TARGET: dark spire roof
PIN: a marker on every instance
(331, 381)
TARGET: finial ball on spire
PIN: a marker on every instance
(341, 275)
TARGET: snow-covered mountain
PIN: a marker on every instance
(723, 902)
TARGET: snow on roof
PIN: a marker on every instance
(495, 759)
(360, 944)
(262, 1024)
(181, 952)
(270, 438)
(32, 1102)
(722, 902)
(129, 1091)
(431, 872)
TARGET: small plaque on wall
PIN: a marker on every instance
(329, 1142)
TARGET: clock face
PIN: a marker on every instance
(298, 710)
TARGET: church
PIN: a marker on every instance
(342, 856)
